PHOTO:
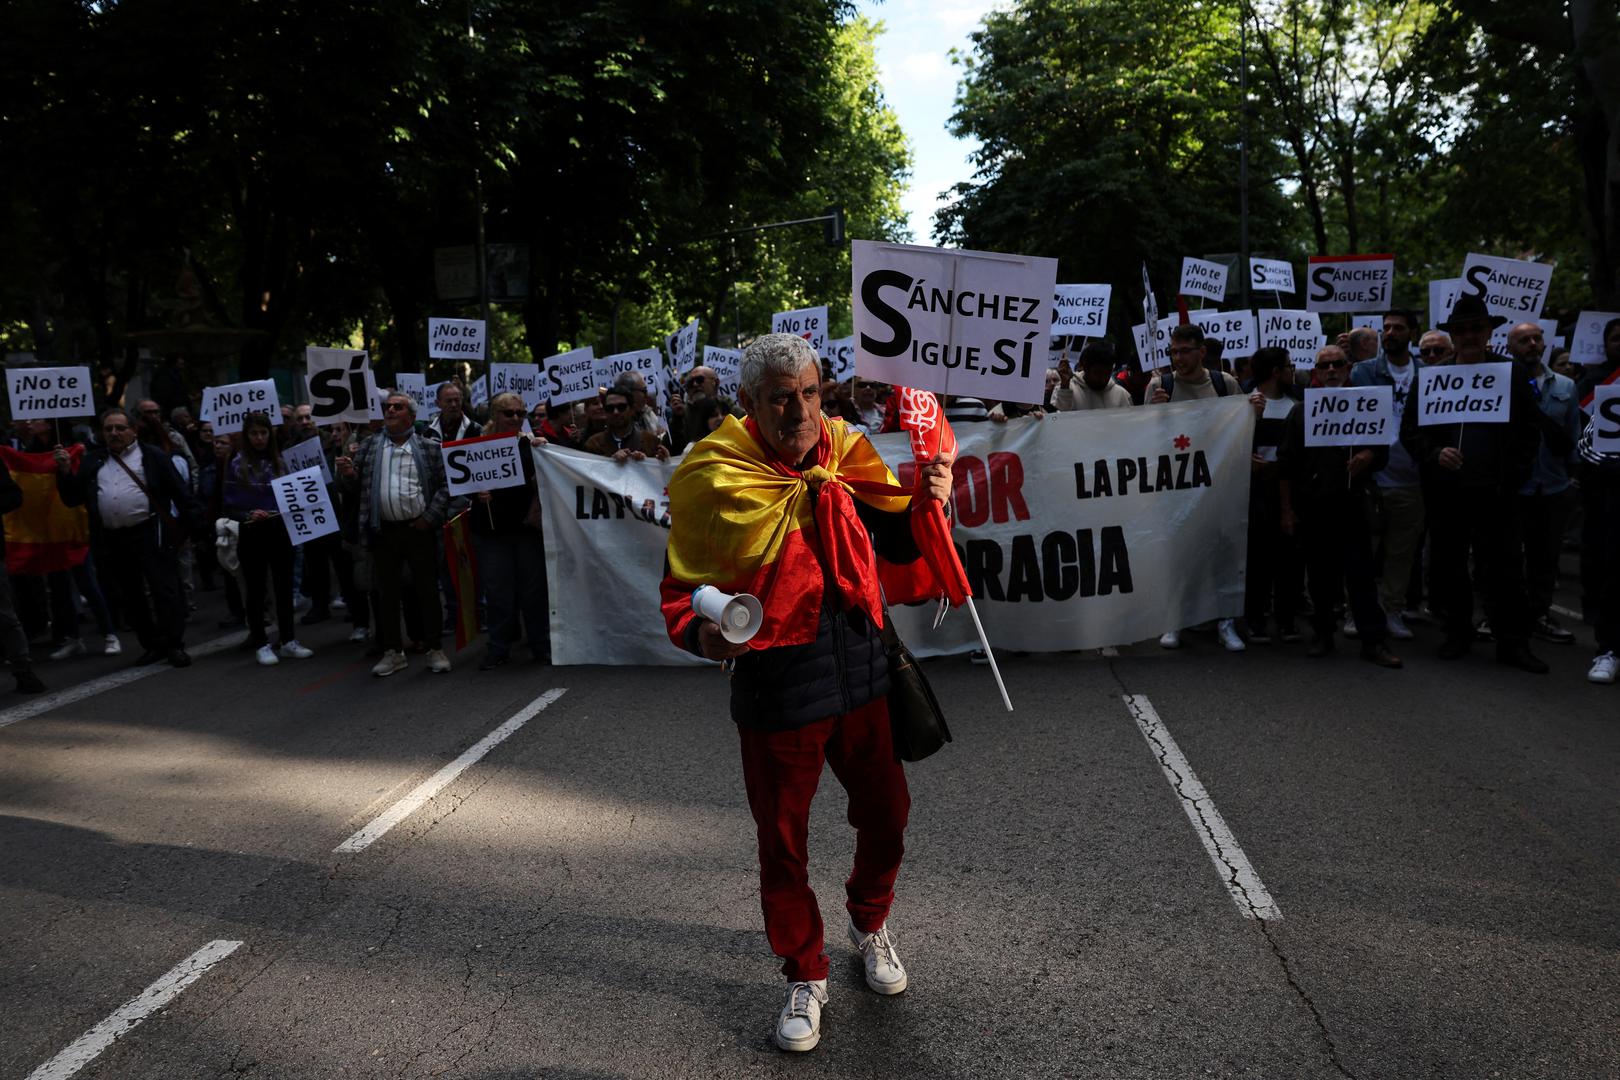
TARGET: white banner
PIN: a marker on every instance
(1349, 282)
(809, 323)
(340, 385)
(955, 322)
(1238, 331)
(1464, 393)
(841, 357)
(306, 455)
(1513, 288)
(306, 508)
(484, 463)
(1200, 277)
(50, 393)
(1271, 275)
(456, 339)
(726, 364)
(570, 376)
(1586, 342)
(1081, 310)
(227, 406)
(1350, 416)
(1300, 332)
(1081, 531)
(1606, 417)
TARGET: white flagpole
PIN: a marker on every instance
(989, 654)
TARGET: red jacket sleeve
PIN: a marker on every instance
(680, 621)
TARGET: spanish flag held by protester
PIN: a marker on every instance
(43, 535)
(458, 552)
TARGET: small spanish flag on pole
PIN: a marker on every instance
(458, 552)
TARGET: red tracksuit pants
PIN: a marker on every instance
(781, 770)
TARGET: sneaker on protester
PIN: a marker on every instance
(978, 656)
(1231, 640)
(359, 633)
(393, 660)
(884, 972)
(438, 663)
(1605, 667)
(1397, 627)
(1350, 630)
(294, 650)
(71, 647)
(1483, 631)
(799, 1025)
(1548, 628)
(339, 604)
(112, 646)
(1109, 652)
(1170, 639)
(267, 656)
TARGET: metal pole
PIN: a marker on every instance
(1243, 150)
(482, 253)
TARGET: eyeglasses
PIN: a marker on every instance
(511, 412)
(395, 406)
(620, 407)
(1328, 365)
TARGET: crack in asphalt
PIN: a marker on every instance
(1234, 882)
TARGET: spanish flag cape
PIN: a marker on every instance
(44, 534)
(746, 522)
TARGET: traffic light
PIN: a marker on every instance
(832, 226)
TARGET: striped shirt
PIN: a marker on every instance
(402, 497)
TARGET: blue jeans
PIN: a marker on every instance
(512, 572)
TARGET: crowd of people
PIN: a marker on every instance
(1355, 542)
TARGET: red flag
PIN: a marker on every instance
(931, 437)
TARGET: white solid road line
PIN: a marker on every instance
(85, 1048)
(435, 783)
(46, 702)
(1231, 865)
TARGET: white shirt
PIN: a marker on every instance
(119, 499)
(402, 498)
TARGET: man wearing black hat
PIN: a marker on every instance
(1471, 476)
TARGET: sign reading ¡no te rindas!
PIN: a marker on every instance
(1464, 394)
(50, 393)
(959, 322)
(1349, 282)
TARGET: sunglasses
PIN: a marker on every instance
(511, 412)
(1328, 365)
(697, 381)
(621, 407)
(394, 406)
(1432, 350)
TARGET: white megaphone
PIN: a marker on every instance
(738, 617)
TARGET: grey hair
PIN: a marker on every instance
(774, 354)
(630, 380)
(410, 406)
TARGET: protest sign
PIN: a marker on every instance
(1300, 332)
(1350, 416)
(841, 357)
(227, 406)
(1199, 277)
(1237, 331)
(1078, 532)
(1586, 341)
(1464, 393)
(682, 347)
(1157, 354)
(340, 385)
(809, 323)
(958, 322)
(1271, 275)
(570, 376)
(456, 339)
(50, 393)
(726, 364)
(1606, 419)
(645, 362)
(1513, 288)
(1349, 282)
(306, 508)
(480, 391)
(1443, 293)
(523, 380)
(483, 463)
(414, 386)
(379, 398)
(1370, 322)
(306, 455)
(1549, 336)
(1081, 310)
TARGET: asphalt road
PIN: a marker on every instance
(1441, 846)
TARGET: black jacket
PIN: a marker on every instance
(162, 482)
(1319, 474)
(1497, 456)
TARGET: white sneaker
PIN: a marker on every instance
(438, 662)
(1226, 630)
(1397, 627)
(267, 656)
(884, 972)
(1350, 630)
(359, 633)
(338, 604)
(393, 660)
(799, 1025)
(1604, 669)
(1170, 639)
(70, 647)
(292, 650)
(113, 646)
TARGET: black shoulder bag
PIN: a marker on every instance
(915, 717)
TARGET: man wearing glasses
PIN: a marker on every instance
(623, 440)
(398, 477)
(1321, 489)
(1396, 493)
(868, 412)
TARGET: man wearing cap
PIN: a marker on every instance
(1472, 473)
